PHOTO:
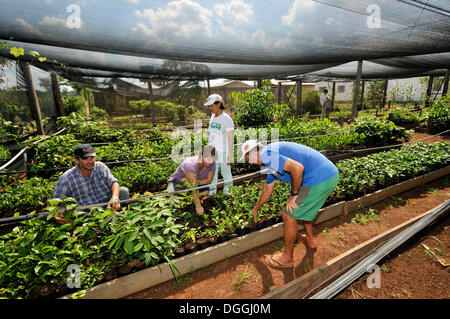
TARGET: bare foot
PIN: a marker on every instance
(309, 241)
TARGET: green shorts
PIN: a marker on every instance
(311, 198)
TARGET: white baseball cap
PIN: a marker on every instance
(213, 98)
(248, 146)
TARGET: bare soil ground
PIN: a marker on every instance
(413, 271)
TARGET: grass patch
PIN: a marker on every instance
(242, 279)
(367, 216)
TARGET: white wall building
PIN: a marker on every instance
(344, 89)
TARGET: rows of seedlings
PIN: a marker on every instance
(143, 162)
(34, 257)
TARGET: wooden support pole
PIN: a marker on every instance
(152, 102)
(33, 97)
(356, 91)
(429, 90)
(87, 102)
(299, 97)
(361, 101)
(57, 95)
(445, 88)
(385, 87)
(279, 92)
(209, 87)
(333, 94)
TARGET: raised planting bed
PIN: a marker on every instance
(103, 243)
(149, 277)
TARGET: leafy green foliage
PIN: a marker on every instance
(83, 128)
(359, 176)
(439, 115)
(56, 151)
(26, 195)
(145, 176)
(72, 104)
(402, 116)
(375, 132)
(253, 107)
(37, 254)
(10, 131)
(311, 101)
(163, 109)
(4, 154)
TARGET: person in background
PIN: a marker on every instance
(221, 136)
(90, 181)
(325, 101)
(312, 177)
(197, 170)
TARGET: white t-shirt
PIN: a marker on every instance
(323, 98)
(217, 129)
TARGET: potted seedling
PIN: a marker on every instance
(211, 235)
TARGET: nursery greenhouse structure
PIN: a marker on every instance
(131, 78)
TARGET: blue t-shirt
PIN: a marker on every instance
(318, 168)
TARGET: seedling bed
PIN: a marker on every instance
(149, 277)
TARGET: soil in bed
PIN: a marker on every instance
(247, 276)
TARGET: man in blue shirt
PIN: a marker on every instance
(312, 177)
(90, 182)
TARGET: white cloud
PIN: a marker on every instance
(133, 1)
(237, 10)
(182, 18)
(332, 21)
(53, 21)
(28, 27)
(294, 12)
(259, 39)
(235, 13)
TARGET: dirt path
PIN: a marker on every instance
(247, 276)
(412, 271)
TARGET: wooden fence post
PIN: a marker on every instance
(356, 92)
(57, 95)
(33, 97)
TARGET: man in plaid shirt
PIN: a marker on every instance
(90, 182)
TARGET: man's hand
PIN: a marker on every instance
(255, 213)
(291, 203)
(199, 209)
(114, 206)
(61, 220)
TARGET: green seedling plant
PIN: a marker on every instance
(242, 279)
(367, 216)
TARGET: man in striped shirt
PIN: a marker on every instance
(90, 182)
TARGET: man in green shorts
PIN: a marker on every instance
(312, 177)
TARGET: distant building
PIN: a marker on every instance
(410, 86)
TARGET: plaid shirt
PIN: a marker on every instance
(86, 190)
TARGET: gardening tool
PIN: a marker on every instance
(442, 261)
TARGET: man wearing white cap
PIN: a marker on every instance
(312, 177)
(221, 136)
